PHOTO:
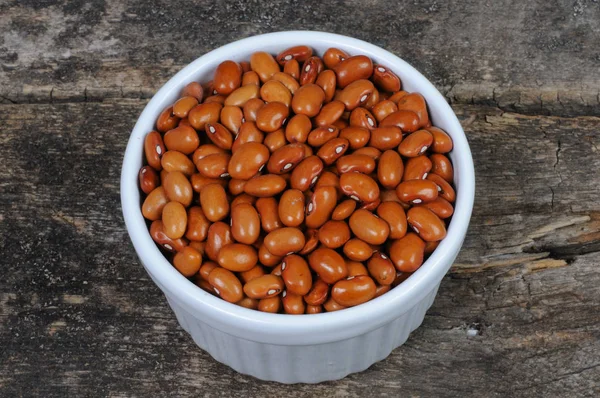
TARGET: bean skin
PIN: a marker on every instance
(226, 285)
(275, 140)
(248, 133)
(231, 117)
(296, 275)
(288, 81)
(354, 290)
(368, 227)
(177, 161)
(251, 107)
(321, 135)
(425, 223)
(328, 264)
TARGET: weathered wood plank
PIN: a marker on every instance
(534, 57)
(518, 315)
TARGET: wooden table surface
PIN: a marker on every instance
(518, 314)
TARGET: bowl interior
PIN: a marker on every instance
(334, 326)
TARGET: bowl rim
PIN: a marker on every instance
(283, 329)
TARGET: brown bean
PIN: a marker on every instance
(247, 302)
(187, 261)
(407, 253)
(356, 268)
(306, 173)
(267, 259)
(283, 241)
(407, 121)
(199, 246)
(358, 137)
(361, 117)
(177, 161)
(331, 305)
(431, 246)
(183, 105)
(214, 166)
(237, 257)
(264, 287)
(247, 160)
(166, 120)
(205, 113)
(371, 206)
(275, 91)
(382, 289)
(232, 118)
(440, 207)
(245, 223)
(353, 290)
(204, 285)
(313, 309)
(416, 168)
(292, 303)
(148, 179)
(309, 71)
(250, 78)
(442, 143)
(389, 195)
(226, 285)
(292, 68)
(220, 99)
(197, 224)
(318, 293)
(243, 198)
(381, 269)
(369, 151)
(328, 264)
(425, 223)
(329, 179)
(251, 108)
(356, 94)
(296, 275)
(248, 133)
(219, 235)
(415, 144)
(343, 210)
(219, 135)
(270, 304)
(271, 117)
(288, 81)
(416, 103)
(174, 218)
(291, 208)
(297, 129)
(300, 53)
(385, 138)
(327, 81)
(445, 190)
(193, 89)
(242, 95)
(235, 186)
(334, 234)
(329, 113)
(383, 109)
(311, 237)
(205, 150)
(320, 206)
(154, 204)
(308, 100)
(334, 56)
(228, 77)
(417, 191)
(269, 213)
(154, 148)
(333, 150)
(357, 250)
(275, 140)
(390, 169)
(284, 159)
(178, 188)
(368, 227)
(264, 64)
(394, 215)
(361, 163)
(359, 186)
(263, 186)
(213, 200)
(442, 166)
(206, 268)
(158, 235)
(321, 135)
(385, 79)
(352, 69)
(199, 181)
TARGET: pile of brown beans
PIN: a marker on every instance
(297, 184)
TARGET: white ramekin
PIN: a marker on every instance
(289, 348)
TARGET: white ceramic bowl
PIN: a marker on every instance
(289, 348)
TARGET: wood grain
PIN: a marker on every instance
(535, 57)
(518, 315)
